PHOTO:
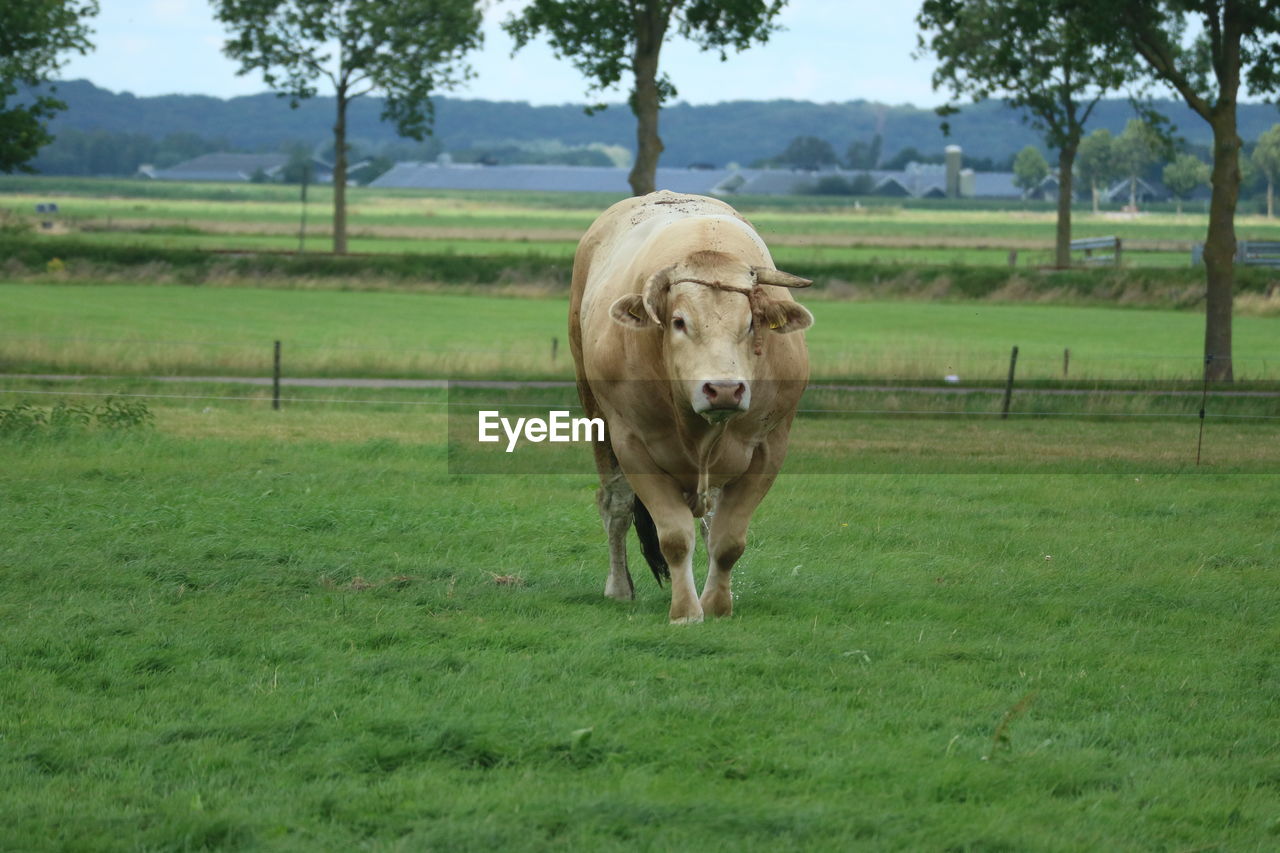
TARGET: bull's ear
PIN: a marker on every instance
(784, 317)
(629, 312)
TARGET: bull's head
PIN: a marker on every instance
(715, 319)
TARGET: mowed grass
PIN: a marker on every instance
(210, 330)
(296, 630)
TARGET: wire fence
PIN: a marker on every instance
(831, 398)
(445, 405)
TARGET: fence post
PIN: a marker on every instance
(1008, 386)
(1066, 361)
(1119, 243)
(1013, 257)
(275, 378)
(555, 345)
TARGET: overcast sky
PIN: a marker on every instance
(832, 50)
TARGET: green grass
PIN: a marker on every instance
(210, 330)
(287, 631)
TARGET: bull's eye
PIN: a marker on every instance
(677, 323)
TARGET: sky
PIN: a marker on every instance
(831, 51)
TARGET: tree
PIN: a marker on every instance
(1266, 159)
(809, 153)
(1139, 146)
(864, 155)
(1237, 42)
(1183, 175)
(1095, 161)
(606, 38)
(405, 49)
(34, 36)
(907, 156)
(1040, 56)
(1029, 169)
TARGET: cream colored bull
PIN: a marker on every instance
(683, 338)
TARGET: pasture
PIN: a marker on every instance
(323, 628)
(95, 328)
(297, 630)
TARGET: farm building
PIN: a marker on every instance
(916, 181)
(474, 176)
(233, 167)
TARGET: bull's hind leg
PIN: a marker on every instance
(615, 500)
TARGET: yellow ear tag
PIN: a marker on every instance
(775, 325)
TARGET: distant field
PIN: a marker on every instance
(139, 329)
(261, 217)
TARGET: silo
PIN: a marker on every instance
(953, 157)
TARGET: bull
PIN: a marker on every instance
(683, 335)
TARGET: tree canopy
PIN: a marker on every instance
(1134, 150)
(404, 49)
(1206, 50)
(34, 39)
(1183, 175)
(606, 39)
(1029, 169)
(1266, 159)
(1040, 56)
(1096, 161)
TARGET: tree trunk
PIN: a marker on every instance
(340, 176)
(646, 99)
(1062, 244)
(1133, 192)
(1220, 243)
(1093, 188)
(1271, 199)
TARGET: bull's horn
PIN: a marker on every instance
(654, 288)
(764, 275)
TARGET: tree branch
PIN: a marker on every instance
(1157, 53)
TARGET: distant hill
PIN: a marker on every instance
(740, 131)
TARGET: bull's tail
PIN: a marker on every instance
(647, 533)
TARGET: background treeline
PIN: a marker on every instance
(742, 132)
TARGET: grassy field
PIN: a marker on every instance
(141, 329)
(326, 628)
(296, 630)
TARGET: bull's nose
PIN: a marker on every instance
(725, 395)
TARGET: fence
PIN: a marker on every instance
(1089, 245)
(1084, 392)
(1249, 253)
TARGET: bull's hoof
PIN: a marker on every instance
(718, 604)
(619, 590)
(686, 620)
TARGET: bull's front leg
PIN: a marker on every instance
(727, 539)
(674, 522)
